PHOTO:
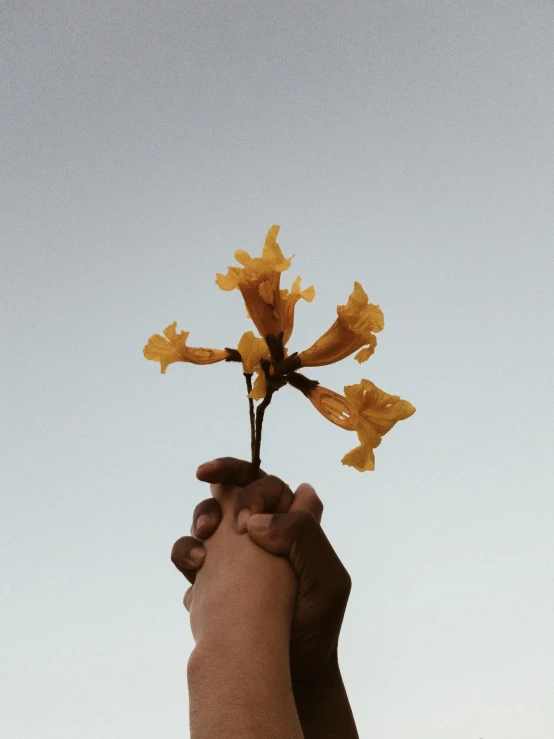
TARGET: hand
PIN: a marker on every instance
(239, 583)
(293, 530)
(241, 608)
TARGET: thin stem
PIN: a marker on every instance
(248, 376)
(260, 410)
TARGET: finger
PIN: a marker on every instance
(299, 536)
(227, 470)
(187, 600)
(267, 494)
(306, 499)
(205, 519)
(188, 555)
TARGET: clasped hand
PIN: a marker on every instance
(264, 574)
(289, 525)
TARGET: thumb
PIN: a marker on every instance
(299, 536)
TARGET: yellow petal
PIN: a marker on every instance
(351, 331)
(259, 388)
(288, 303)
(173, 348)
(252, 349)
(362, 458)
(361, 315)
(366, 409)
(230, 281)
(364, 354)
(258, 281)
(334, 407)
(265, 315)
(243, 257)
(272, 254)
(380, 410)
(266, 292)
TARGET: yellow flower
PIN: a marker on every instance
(367, 410)
(288, 301)
(174, 349)
(252, 350)
(355, 327)
(270, 308)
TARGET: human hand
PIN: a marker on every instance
(240, 609)
(240, 585)
(281, 523)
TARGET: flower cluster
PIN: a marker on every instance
(363, 408)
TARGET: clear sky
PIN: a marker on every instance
(405, 145)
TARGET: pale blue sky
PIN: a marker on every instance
(406, 145)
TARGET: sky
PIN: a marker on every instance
(405, 145)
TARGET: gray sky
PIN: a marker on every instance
(405, 145)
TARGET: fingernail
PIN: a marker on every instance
(204, 519)
(242, 520)
(260, 521)
(197, 554)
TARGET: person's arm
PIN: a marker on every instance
(323, 706)
(241, 610)
(324, 586)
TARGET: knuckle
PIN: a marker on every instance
(178, 549)
(318, 503)
(209, 507)
(242, 500)
(305, 521)
(200, 508)
(187, 600)
(251, 497)
(341, 583)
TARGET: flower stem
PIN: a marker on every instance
(260, 410)
(248, 376)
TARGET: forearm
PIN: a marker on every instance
(241, 689)
(323, 706)
(239, 672)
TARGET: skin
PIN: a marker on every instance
(240, 613)
(285, 524)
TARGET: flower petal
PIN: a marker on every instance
(259, 388)
(252, 349)
(266, 292)
(359, 314)
(379, 410)
(353, 329)
(364, 408)
(364, 354)
(271, 252)
(173, 348)
(334, 407)
(362, 458)
(288, 303)
(230, 281)
(258, 281)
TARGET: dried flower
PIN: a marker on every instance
(364, 408)
(174, 349)
(271, 308)
(367, 410)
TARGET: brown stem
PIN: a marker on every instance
(302, 383)
(233, 355)
(260, 410)
(248, 376)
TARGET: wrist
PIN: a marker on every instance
(322, 704)
(316, 681)
(241, 688)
